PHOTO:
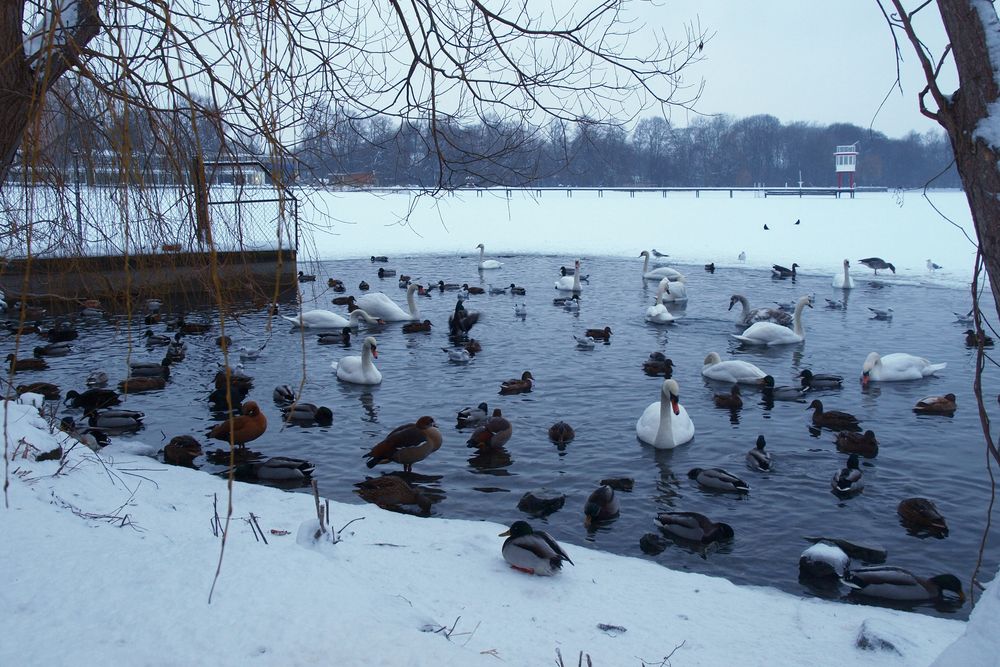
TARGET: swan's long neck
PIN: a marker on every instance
(847, 276)
(414, 313)
(357, 314)
(665, 432)
(482, 253)
(798, 318)
(659, 296)
(645, 264)
(366, 358)
(746, 306)
(576, 279)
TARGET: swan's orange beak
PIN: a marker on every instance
(675, 405)
(864, 379)
(375, 352)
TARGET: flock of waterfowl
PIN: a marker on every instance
(664, 424)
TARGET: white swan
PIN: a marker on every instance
(487, 263)
(751, 315)
(325, 319)
(658, 313)
(732, 371)
(570, 283)
(379, 305)
(360, 370)
(674, 290)
(658, 273)
(665, 424)
(844, 281)
(768, 333)
(896, 367)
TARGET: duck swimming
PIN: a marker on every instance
(849, 480)
(693, 527)
(602, 505)
(834, 419)
(718, 479)
(757, 458)
(895, 583)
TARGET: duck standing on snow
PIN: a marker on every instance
(407, 444)
(532, 551)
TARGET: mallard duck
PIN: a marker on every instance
(53, 349)
(561, 433)
(472, 416)
(973, 340)
(343, 300)
(156, 340)
(757, 458)
(461, 321)
(920, 515)
(336, 337)
(283, 394)
(306, 414)
(363, 286)
(876, 263)
(94, 438)
(48, 391)
(532, 551)
(20, 329)
(863, 444)
(417, 327)
(517, 291)
(718, 480)
(384, 273)
(495, 432)
(92, 399)
(61, 332)
(390, 492)
(235, 378)
(599, 334)
(516, 386)
(379, 258)
(850, 479)
(138, 385)
(779, 271)
(150, 368)
(26, 364)
(472, 290)
(602, 505)
(843, 421)
(895, 583)
(306, 278)
(693, 527)
(176, 351)
(182, 450)
(730, 401)
(119, 421)
(407, 444)
(276, 468)
(810, 380)
(936, 405)
(240, 429)
(222, 398)
(192, 328)
(780, 393)
(96, 378)
(658, 364)
(473, 346)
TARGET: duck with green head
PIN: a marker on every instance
(532, 551)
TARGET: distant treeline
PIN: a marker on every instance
(711, 151)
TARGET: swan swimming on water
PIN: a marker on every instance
(844, 280)
(570, 283)
(658, 273)
(381, 306)
(665, 424)
(486, 263)
(896, 367)
(360, 370)
(768, 333)
(731, 370)
(658, 313)
(325, 319)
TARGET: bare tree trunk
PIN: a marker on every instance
(23, 84)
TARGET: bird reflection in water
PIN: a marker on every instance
(368, 405)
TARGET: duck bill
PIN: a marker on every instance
(505, 533)
(675, 405)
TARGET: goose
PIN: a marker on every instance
(895, 583)
(674, 290)
(377, 304)
(657, 273)
(458, 355)
(693, 527)
(920, 515)
(782, 392)
(182, 450)
(306, 414)
(844, 280)
(896, 367)
(757, 458)
(240, 429)
(661, 429)
(485, 264)
(731, 370)
(849, 479)
(570, 283)
(658, 313)
(810, 380)
(532, 551)
(472, 416)
(769, 333)
(561, 433)
(880, 313)
(877, 263)
(325, 319)
(779, 271)
(658, 364)
(718, 479)
(584, 342)
(730, 401)
(834, 419)
(753, 315)
(406, 444)
(936, 405)
(494, 432)
(360, 370)
(276, 468)
(601, 505)
(864, 444)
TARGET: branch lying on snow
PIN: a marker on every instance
(450, 632)
(112, 518)
(666, 659)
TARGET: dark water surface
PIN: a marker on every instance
(602, 392)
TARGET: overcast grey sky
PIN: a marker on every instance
(802, 60)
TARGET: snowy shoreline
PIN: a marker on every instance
(114, 552)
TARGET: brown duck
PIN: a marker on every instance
(407, 444)
(730, 401)
(242, 428)
(599, 334)
(833, 418)
(936, 405)
(390, 492)
(561, 433)
(922, 516)
(494, 432)
(137, 385)
(516, 386)
(26, 364)
(862, 444)
(182, 450)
